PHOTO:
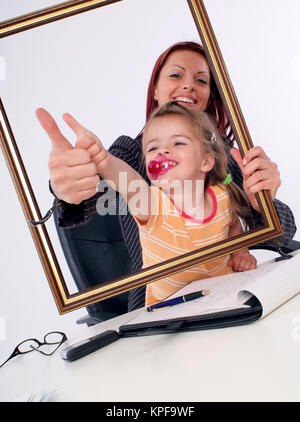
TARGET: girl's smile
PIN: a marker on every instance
(160, 166)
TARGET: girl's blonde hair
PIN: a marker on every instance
(211, 142)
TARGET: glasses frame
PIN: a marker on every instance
(65, 301)
(17, 352)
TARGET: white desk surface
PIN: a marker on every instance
(256, 362)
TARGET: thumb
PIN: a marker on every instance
(237, 156)
(77, 128)
(59, 142)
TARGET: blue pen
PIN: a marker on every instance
(177, 300)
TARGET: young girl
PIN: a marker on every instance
(191, 203)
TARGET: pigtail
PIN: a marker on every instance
(240, 204)
(218, 175)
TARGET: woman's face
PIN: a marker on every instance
(185, 77)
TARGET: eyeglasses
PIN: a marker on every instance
(52, 341)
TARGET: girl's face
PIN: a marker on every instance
(185, 77)
(173, 151)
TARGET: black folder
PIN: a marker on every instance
(222, 319)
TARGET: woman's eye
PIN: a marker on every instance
(201, 81)
(175, 75)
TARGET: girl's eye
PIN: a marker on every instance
(152, 149)
(179, 143)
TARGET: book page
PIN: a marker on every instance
(272, 283)
(279, 284)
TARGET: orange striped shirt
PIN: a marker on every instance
(168, 234)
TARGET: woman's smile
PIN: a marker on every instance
(186, 100)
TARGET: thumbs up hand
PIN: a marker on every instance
(73, 170)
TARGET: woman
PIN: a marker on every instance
(181, 73)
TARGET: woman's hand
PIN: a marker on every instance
(259, 173)
(73, 170)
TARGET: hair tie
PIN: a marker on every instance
(213, 138)
(227, 180)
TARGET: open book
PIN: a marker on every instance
(233, 299)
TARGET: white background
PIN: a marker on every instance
(97, 66)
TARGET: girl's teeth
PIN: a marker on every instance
(168, 164)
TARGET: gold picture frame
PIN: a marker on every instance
(65, 301)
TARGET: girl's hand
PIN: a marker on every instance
(89, 142)
(259, 173)
(242, 261)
